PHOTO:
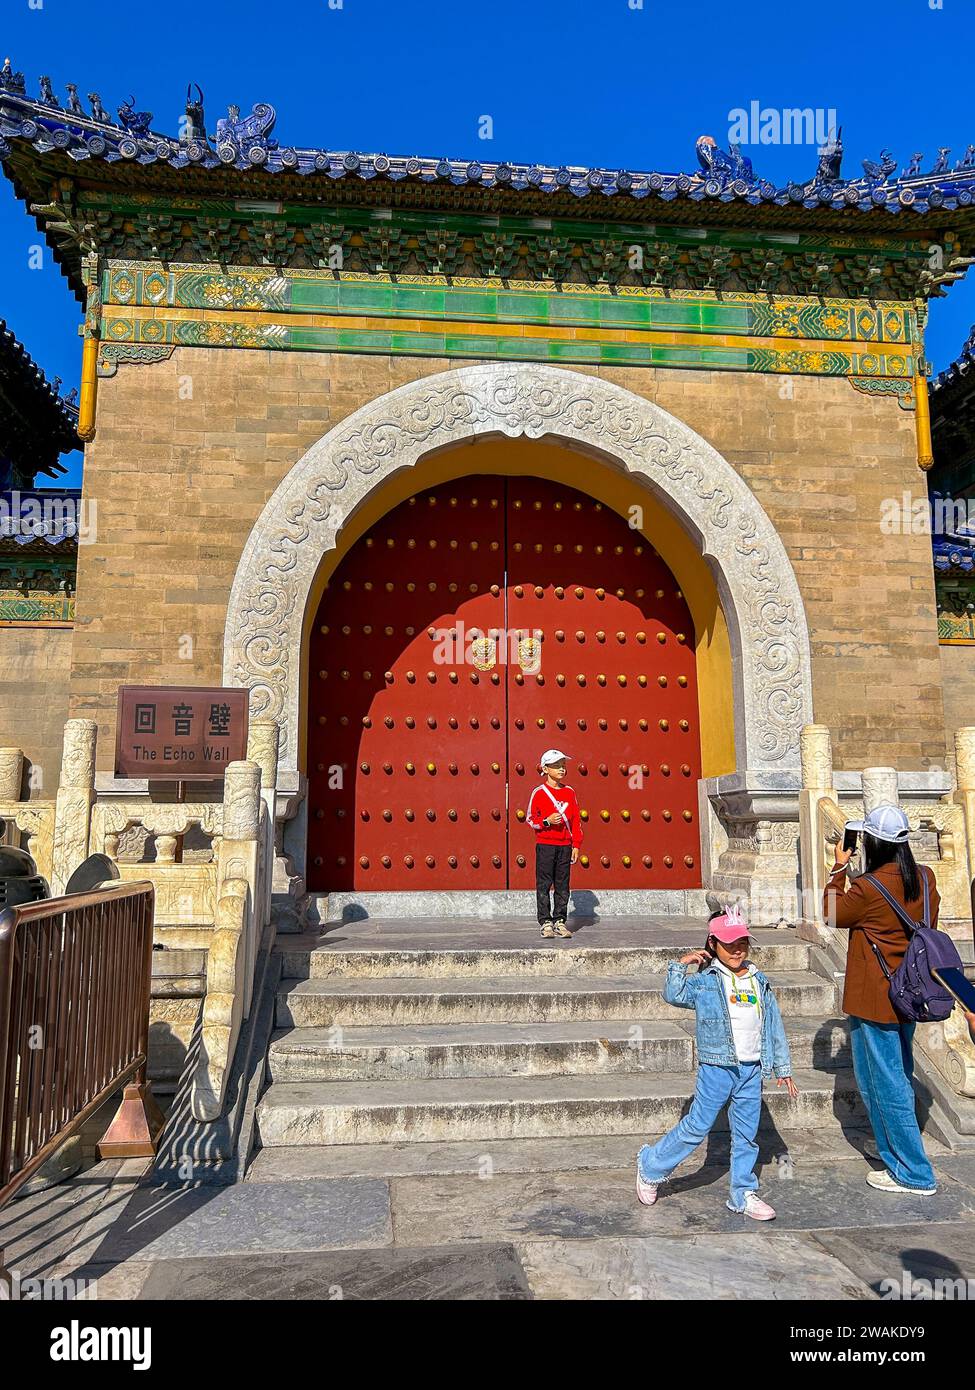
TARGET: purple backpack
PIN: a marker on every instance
(916, 995)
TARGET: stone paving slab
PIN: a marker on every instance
(960, 1166)
(251, 1218)
(105, 1281)
(945, 1251)
(586, 1206)
(486, 1272)
(39, 1231)
(748, 1266)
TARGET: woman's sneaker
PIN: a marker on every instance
(886, 1182)
(646, 1191)
(561, 929)
(754, 1207)
(547, 929)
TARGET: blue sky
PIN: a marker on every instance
(628, 83)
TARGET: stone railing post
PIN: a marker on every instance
(262, 748)
(76, 795)
(11, 773)
(241, 802)
(816, 759)
(965, 795)
(879, 788)
(11, 778)
(233, 945)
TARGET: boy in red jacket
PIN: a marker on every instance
(553, 814)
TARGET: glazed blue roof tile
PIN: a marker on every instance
(22, 514)
(956, 556)
(962, 369)
(246, 144)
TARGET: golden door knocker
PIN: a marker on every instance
(530, 655)
(483, 653)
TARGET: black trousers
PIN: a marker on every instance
(552, 863)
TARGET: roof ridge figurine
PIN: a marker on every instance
(12, 81)
(247, 136)
(193, 125)
(723, 165)
(135, 122)
(830, 161)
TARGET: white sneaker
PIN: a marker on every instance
(646, 1191)
(754, 1207)
(886, 1182)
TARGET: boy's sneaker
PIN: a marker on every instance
(561, 929)
(646, 1191)
(548, 929)
(886, 1182)
(754, 1207)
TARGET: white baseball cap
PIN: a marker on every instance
(884, 823)
(551, 756)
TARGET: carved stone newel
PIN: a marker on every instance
(879, 787)
(76, 794)
(816, 756)
(241, 801)
(11, 773)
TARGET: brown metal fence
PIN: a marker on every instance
(74, 1023)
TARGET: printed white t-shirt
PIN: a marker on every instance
(746, 1015)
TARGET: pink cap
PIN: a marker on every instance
(730, 926)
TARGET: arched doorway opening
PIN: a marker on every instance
(470, 627)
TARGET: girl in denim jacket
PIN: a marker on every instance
(740, 1039)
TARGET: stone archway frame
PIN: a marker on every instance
(303, 518)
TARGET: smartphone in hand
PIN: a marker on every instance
(957, 984)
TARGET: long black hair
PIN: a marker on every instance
(876, 853)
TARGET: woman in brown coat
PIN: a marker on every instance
(881, 1042)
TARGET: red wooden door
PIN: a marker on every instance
(611, 681)
(474, 626)
(406, 740)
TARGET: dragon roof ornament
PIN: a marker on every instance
(245, 143)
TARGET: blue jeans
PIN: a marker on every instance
(742, 1087)
(884, 1065)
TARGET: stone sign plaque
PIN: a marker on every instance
(179, 733)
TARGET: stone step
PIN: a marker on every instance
(556, 998)
(819, 1044)
(520, 1049)
(807, 1148)
(479, 1049)
(298, 1113)
(329, 960)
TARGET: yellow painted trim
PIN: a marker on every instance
(89, 390)
(538, 458)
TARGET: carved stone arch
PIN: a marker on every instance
(302, 521)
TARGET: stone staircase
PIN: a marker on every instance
(434, 1036)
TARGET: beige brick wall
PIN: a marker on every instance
(180, 481)
(958, 677)
(34, 668)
